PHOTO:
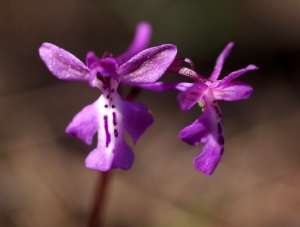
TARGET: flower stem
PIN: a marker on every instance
(96, 219)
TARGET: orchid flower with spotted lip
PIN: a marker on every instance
(208, 128)
(110, 116)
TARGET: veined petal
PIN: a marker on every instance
(63, 64)
(220, 62)
(161, 86)
(235, 74)
(137, 118)
(147, 66)
(207, 129)
(140, 42)
(85, 124)
(234, 90)
(192, 95)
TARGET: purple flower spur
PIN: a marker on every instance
(110, 116)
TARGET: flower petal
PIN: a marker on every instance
(233, 91)
(112, 150)
(148, 65)
(235, 74)
(85, 124)
(118, 156)
(220, 62)
(63, 64)
(100, 159)
(140, 42)
(137, 118)
(207, 129)
(210, 157)
(193, 133)
(161, 86)
(192, 95)
(124, 155)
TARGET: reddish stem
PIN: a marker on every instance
(97, 210)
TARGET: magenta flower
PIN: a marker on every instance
(208, 128)
(110, 116)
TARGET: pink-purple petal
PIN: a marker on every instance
(136, 118)
(235, 74)
(63, 64)
(206, 129)
(208, 160)
(99, 159)
(192, 95)
(148, 66)
(103, 158)
(140, 42)
(161, 86)
(220, 62)
(233, 91)
(124, 155)
(192, 134)
(112, 149)
(85, 123)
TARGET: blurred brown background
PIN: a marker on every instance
(44, 182)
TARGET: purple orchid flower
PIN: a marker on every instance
(208, 128)
(110, 116)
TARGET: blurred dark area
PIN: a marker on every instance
(44, 182)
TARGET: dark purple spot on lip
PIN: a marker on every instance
(219, 128)
(221, 140)
(114, 118)
(107, 96)
(106, 106)
(116, 133)
(106, 130)
(112, 90)
(113, 106)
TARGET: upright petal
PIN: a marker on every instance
(234, 75)
(192, 95)
(63, 64)
(140, 42)
(148, 65)
(220, 62)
